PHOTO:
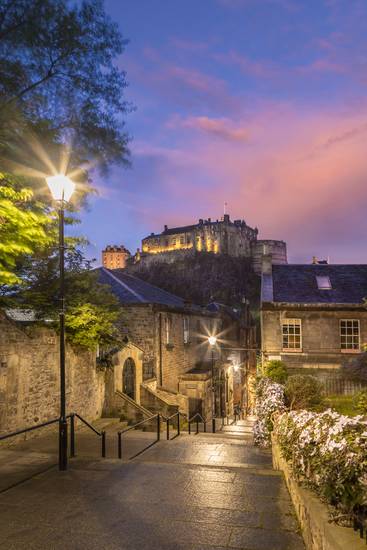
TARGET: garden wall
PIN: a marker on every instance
(313, 515)
(30, 380)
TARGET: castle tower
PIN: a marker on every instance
(115, 257)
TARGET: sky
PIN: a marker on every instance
(261, 104)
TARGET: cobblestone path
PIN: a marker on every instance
(198, 492)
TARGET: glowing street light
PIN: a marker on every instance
(62, 188)
(212, 340)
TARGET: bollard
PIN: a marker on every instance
(119, 445)
(103, 444)
(178, 424)
(72, 436)
(197, 425)
(205, 426)
(167, 422)
(189, 427)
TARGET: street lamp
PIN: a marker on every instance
(62, 188)
(212, 342)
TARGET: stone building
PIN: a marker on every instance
(234, 238)
(314, 318)
(115, 257)
(173, 336)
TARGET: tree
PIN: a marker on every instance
(58, 62)
(25, 226)
(303, 391)
(92, 311)
(356, 369)
(276, 371)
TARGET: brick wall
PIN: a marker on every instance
(29, 378)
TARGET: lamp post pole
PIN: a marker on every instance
(63, 425)
(213, 393)
(62, 188)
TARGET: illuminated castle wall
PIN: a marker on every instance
(220, 237)
(224, 236)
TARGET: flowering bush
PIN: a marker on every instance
(269, 399)
(328, 453)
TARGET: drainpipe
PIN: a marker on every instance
(160, 351)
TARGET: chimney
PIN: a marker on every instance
(165, 227)
(267, 264)
(226, 218)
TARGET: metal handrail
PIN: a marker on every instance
(167, 420)
(30, 429)
(198, 418)
(101, 434)
(122, 432)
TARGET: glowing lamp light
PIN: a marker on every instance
(236, 367)
(61, 187)
(212, 340)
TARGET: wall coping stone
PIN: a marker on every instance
(318, 533)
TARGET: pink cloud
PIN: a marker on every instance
(260, 69)
(322, 66)
(223, 128)
(316, 202)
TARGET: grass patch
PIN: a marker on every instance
(343, 404)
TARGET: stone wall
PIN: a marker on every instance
(319, 533)
(29, 378)
(320, 355)
(167, 361)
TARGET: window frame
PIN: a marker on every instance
(352, 349)
(168, 330)
(186, 329)
(294, 322)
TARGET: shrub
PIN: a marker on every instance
(327, 453)
(361, 401)
(269, 399)
(303, 391)
(276, 371)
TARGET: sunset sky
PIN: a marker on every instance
(259, 103)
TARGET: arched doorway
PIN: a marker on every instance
(128, 378)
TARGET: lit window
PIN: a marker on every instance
(323, 282)
(186, 330)
(291, 334)
(349, 334)
(174, 242)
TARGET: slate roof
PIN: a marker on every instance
(131, 290)
(297, 284)
(173, 231)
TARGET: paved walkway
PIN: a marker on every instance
(197, 492)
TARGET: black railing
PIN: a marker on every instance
(199, 420)
(122, 432)
(101, 434)
(30, 429)
(168, 419)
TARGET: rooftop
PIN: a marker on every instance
(319, 283)
(131, 290)
(187, 228)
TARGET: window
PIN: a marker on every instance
(291, 334)
(186, 330)
(349, 334)
(174, 242)
(182, 240)
(168, 329)
(323, 282)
